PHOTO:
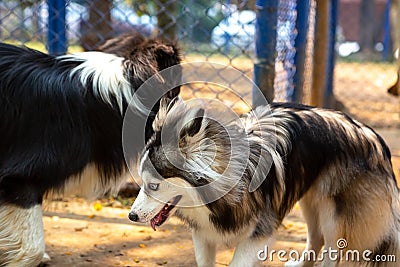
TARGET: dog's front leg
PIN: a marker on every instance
(246, 253)
(21, 236)
(204, 250)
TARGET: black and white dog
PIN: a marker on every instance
(233, 181)
(61, 129)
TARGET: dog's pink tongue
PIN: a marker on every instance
(156, 220)
(153, 224)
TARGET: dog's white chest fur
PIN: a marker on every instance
(205, 228)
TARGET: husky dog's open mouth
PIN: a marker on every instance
(163, 214)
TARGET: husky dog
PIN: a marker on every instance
(234, 182)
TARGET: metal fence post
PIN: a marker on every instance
(265, 40)
(386, 33)
(56, 36)
(328, 101)
(300, 43)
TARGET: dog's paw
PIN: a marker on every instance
(46, 258)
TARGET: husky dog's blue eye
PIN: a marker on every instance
(153, 186)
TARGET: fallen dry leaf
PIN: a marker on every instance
(97, 206)
(147, 238)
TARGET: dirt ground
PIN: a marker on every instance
(99, 234)
(79, 234)
(361, 91)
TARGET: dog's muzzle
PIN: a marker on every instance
(133, 216)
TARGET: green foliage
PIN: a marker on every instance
(143, 7)
(28, 3)
(204, 15)
(190, 12)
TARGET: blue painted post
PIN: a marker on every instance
(227, 37)
(328, 100)
(265, 40)
(56, 36)
(300, 43)
(386, 33)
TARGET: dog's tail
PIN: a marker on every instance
(394, 89)
(387, 254)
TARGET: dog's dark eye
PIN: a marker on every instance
(153, 186)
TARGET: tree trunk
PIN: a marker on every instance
(166, 19)
(394, 24)
(99, 27)
(38, 32)
(395, 32)
(320, 57)
(367, 20)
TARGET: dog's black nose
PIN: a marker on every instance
(133, 217)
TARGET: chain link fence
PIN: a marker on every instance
(214, 31)
(223, 32)
(365, 66)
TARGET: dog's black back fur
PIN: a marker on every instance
(45, 130)
(52, 126)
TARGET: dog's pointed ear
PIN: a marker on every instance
(192, 122)
(162, 49)
(166, 104)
